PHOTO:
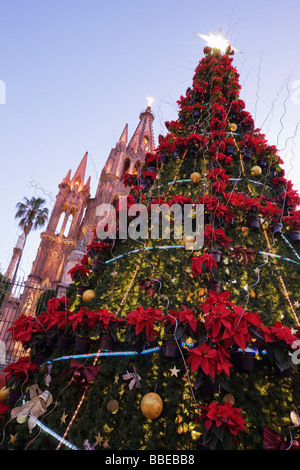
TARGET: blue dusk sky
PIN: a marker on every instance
(74, 72)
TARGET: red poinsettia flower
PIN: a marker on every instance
(215, 298)
(226, 323)
(42, 321)
(105, 318)
(149, 174)
(271, 210)
(291, 197)
(185, 317)
(237, 332)
(218, 320)
(125, 179)
(79, 271)
(224, 414)
(217, 236)
(144, 320)
(180, 199)
(56, 304)
(293, 221)
(97, 246)
(79, 319)
(60, 319)
(21, 369)
(252, 206)
(151, 159)
(220, 177)
(235, 199)
(207, 259)
(23, 328)
(203, 357)
(278, 332)
(223, 362)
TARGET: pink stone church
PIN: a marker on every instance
(73, 217)
(70, 228)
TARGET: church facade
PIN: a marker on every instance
(73, 218)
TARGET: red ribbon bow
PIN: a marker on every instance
(88, 373)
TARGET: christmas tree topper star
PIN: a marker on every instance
(216, 42)
(150, 100)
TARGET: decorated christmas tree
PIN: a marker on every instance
(172, 345)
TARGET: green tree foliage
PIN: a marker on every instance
(258, 287)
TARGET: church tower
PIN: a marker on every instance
(124, 157)
(62, 232)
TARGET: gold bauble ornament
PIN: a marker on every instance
(151, 405)
(232, 126)
(228, 397)
(112, 406)
(195, 177)
(4, 393)
(295, 418)
(88, 295)
(21, 419)
(256, 170)
(188, 241)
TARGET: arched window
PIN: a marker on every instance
(61, 217)
(69, 221)
(146, 142)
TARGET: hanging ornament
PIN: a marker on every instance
(256, 170)
(174, 371)
(232, 126)
(22, 418)
(112, 406)
(63, 418)
(195, 177)
(188, 242)
(88, 295)
(228, 397)
(295, 418)
(48, 377)
(81, 374)
(135, 379)
(88, 446)
(99, 440)
(35, 407)
(4, 393)
(151, 405)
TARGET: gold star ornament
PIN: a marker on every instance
(63, 418)
(216, 42)
(174, 371)
(13, 438)
(99, 439)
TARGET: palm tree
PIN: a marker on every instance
(32, 216)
